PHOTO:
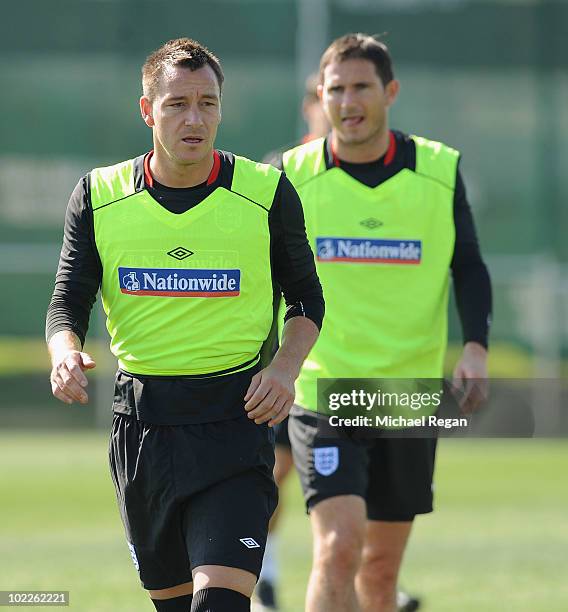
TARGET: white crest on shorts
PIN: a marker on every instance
(133, 555)
(326, 459)
(250, 543)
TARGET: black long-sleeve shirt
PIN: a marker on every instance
(79, 275)
(472, 284)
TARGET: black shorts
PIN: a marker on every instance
(192, 495)
(393, 475)
(281, 432)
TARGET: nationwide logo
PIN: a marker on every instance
(362, 250)
(172, 282)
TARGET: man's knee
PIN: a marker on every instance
(338, 553)
(217, 589)
(224, 578)
(380, 569)
(339, 532)
(173, 599)
(383, 552)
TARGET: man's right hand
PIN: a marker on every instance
(68, 382)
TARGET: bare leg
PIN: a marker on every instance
(338, 526)
(282, 466)
(176, 591)
(377, 577)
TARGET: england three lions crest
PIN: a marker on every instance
(326, 460)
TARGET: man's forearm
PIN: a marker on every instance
(472, 288)
(61, 343)
(298, 337)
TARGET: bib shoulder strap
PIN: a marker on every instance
(304, 161)
(112, 183)
(255, 181)
(436, 160)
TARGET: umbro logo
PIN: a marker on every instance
(371, 223)
(180, 253)
(250, 543)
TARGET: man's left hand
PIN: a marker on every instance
(471, 378)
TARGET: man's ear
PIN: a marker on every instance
(392, 90)
(146, 111)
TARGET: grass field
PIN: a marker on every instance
(498, 541)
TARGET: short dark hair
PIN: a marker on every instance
(359, 46)
(178, 52)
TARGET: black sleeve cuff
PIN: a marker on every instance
(312, 308)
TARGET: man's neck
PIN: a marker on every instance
(170, 174)
(361, 153)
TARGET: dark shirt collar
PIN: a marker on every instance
(143, 177)
(331, 159)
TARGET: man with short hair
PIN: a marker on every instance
(185, 242)
(266, 588)
(368, 190)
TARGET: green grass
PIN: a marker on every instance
(498, 540)
(20, 355)
(28, 355)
